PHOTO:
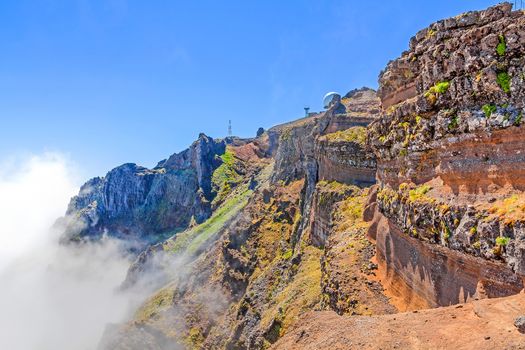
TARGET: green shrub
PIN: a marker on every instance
(503, 80)
(454, 123)
(442, 87)
(193, 239)
(288, 254)
(418, 193)
(502, 46)
(355, 134)
(438, 89)
(488, 109)
(447, 233)
(502, 241)
(225, 177)
(404, 125)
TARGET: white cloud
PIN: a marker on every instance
(52, 297)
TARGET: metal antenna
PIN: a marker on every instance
(230, 128)
(306, 110)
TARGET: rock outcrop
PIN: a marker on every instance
(343, 156)
(450, 214)
(135, 203)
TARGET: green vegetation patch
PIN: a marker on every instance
(438, 89)
(447, 233)
(502, 46)
(288, 254)
(488, 109)
(510, 209)
(161, 300)
(355, 134)
(336, 187)
(225, 177)
(441, 87)
(503, 80)
(350, 212)
(430, 33)
(192, 239)
(454, 123)
(418, 194)
(502, 241)
(300, 295)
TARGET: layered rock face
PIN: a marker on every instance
(341, 153)
(361, 106)
(450, 215)
(343, 157)
(326, 195)
(328, 146)
(300, 146)
(133, 202)
(461, 81)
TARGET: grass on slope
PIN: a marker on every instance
(161, 300)
(225, 177)
(302, 294)
(510, 209)
(192, 239)
(355, 134)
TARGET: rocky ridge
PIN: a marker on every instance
(408, 199)
(147, 205)
(264, 261)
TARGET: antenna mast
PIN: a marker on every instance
(230, 128)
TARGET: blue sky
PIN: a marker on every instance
(114, 81)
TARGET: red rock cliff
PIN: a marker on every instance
(450, 217)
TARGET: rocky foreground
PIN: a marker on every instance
(319, 232)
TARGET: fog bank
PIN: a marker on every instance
(52, 297)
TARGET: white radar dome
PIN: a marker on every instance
(329, 98)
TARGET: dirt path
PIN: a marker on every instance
(482, 324)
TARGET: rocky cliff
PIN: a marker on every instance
(446, 216)
(135, 203)
(449, 149)
(258, 262)
(405, 199)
